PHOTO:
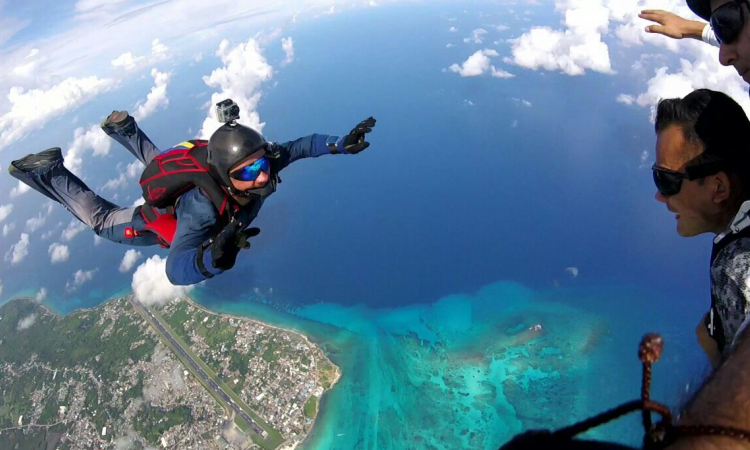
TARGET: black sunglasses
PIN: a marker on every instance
(669, 182)
(727, 21)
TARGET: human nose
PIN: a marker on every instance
(262, 178)
(727, 54)
(661, 198)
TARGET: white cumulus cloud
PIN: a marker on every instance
(476, 64)
(573, 271)
(74, 227)
(7, 228)
(26, 322)
(704, 71)
(157, 48)
(155, 99)
(127, 61)
(244, 70)
(84, 139)
(35, 223)
(151, 286)
(131, 62)
(576, 48)
(477, 36)
(5, 211)
(19, 250)
(41, 295)
(126, 177)
(128, 261)
(19, 190)
(31, 110)
(499, 73)
(625, 99)
(58, 253)
(287, 44)
(79, 278)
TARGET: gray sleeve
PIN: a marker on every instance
(731, 286)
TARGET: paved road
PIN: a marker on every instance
(197, 368)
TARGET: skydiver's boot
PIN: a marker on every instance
(33, 161)
(119, 122)
(23, 168)
(123, 128)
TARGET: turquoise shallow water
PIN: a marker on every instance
(471, 370)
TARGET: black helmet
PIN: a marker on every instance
(701, 8)
(229, 145)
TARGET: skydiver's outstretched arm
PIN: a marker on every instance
(676, 27)
(723, 401)
(321, 144)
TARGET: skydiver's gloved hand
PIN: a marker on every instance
(354, 142)
(228, 243)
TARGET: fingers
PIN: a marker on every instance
(654, 15)
(356, 148)
(659, 29)
(366, 124)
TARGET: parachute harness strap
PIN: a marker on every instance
(661, 434)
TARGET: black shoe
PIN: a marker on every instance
(119, 122)
(36, 160)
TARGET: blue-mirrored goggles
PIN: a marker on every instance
(251, 171)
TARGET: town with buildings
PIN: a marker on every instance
(124, 375)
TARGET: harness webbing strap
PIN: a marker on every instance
(199, 263)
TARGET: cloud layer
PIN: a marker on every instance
(31, 110)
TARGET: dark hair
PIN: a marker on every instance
(719, 125)
(684, 112)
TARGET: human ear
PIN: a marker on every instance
(722, 187)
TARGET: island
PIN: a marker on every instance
(124, 375)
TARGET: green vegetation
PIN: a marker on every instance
(58, 342)
(96, 363)
(151, 422)
(327, 375)
(310, 407)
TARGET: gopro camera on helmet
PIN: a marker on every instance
(227, 111)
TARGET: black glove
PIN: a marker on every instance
(227, 244)
(354, 142)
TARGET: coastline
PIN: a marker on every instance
(337, 370)
(287, 330)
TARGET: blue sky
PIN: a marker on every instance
(540, 111)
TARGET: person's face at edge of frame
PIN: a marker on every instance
(737, 53)
(695, 207)
(259, 182)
